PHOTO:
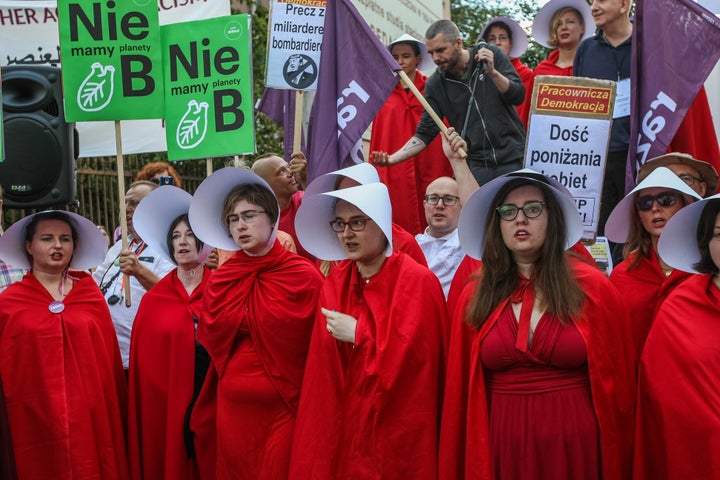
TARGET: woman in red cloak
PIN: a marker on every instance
(259, 309)
(167, 364)
(395, 122)
(63, 381)
(370, 404)
(540, 382)
(562, 25)
(638, 220)
(677, 431)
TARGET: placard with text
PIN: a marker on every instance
(111, 59)
(568, 135)
(208, 88)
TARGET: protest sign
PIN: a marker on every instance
(295, 33)
(208, 88)
(110, 60)
(568, 135)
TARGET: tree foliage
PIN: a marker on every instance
(472, 15)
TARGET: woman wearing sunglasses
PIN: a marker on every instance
(539, 380)
(638, 220)
(370, 402)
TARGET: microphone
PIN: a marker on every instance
(481, 65)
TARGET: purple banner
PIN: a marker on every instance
(676, 43)
(357, 74)
(279, 106)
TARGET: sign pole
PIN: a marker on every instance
(121, 199)
(297, 133)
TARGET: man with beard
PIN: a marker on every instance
(476, 91)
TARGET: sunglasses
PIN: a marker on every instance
(667, 198)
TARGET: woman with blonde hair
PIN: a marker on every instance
(562, 25)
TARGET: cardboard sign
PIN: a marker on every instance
(295, 34)
(208, 88)
(110, 59)
(568, 137)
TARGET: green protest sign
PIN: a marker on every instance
(208, 88)
(111, 59)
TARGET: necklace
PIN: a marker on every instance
(57, 306)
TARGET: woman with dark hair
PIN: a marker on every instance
(64, 387)
(395, 122)
(562, 25)
(167, 364)
(677, 432)
(540, 379)
(259, 307)
(638, 220)
(370, 404)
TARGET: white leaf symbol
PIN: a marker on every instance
(97, 89)
(193, 126)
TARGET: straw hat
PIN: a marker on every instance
(707, 172)
(475, 213)
(541, 23)
(519, 37)
(316, 211)
(678, 241)
(156, 212)
(617, 227)
(206, 206)
(89, 251)
(426, 61)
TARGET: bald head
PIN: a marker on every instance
(442, 219)
(276, 172)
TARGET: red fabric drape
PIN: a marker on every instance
(64, 383)
(371, 410)
(464, 440)
(548, 67)
(677, 433)
(394, 124)
(162, 362)
(528, 79)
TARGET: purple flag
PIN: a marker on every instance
(357, 74)
(279, 106)
(675, 45)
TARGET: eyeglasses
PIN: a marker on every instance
(356, 224)
(248, 217)
(664, 199)
(447, 200)
(509, 211)
(689, 179)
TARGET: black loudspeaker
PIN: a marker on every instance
(39, 168)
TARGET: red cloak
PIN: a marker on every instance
(645, 286)
(394, 124)
(464, 438)
(64, 383)
(527, 76)
(287, 223)
(548, 67)
(162, 367)
(268, 302)
(677, 432)
(371, 410)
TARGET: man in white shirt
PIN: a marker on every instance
(145, 265)
(440, 242)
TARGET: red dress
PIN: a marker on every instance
(542, 421)
(394, 124)
(287, 223)
(645, 287)
(162, 366)
(677, 433)
(465, 436)
(548, 66)
(371, 410)
(64, 384)
(259, 317)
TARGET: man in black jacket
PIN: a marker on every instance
(476, 91)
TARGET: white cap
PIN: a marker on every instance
(541, 23)
(363, 173)
(426, 61)
(519, 37)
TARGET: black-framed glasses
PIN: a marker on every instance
(689, 179)
(509, 211)
(248, 217)
(356, 224)
(664, 199)
(447, 200)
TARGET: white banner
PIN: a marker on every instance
(29, 36)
